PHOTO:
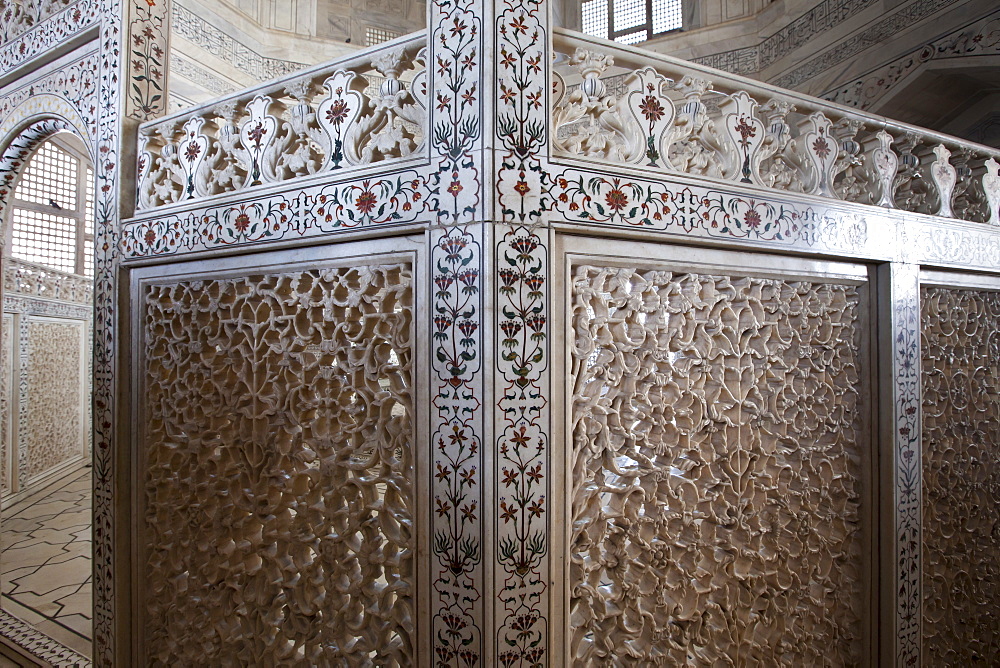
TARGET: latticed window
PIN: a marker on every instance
(631, 21)
(375, 36)
(52, 213)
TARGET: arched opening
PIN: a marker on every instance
(45, 394)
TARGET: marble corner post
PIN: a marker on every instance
(489, 420)
(131, 88)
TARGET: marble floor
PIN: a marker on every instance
(45, 564)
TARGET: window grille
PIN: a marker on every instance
(52, 212)
(375, 36)
(595, 17)
(631, 21)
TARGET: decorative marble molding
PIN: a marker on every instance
(592, 198)
(7, 482)
(17, 18)
(34, 280)
(750, 60)
(457, 86)
(203, 78)
(911, 13)
(25, 305)
(200, 32)
(66, 93)
(904, 322)
(39, 644)
(521, 388)
(978, 39)
(391, 199)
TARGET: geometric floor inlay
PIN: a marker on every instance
(45, 564)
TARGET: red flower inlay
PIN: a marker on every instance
(256, 133)
(337, 113)
(752, 219)
(242, 222)
(745, 129)
(821, 147)
(366, 201)
(616, 199)
(651, 109)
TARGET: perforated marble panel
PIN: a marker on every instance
(55, 395)
(716, 467)
(277, 469)
(960, 346)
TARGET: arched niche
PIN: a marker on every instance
(61, 302)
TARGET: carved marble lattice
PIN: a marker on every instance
(277, 464)
(716, 468)
(55, 406)
(960, 346)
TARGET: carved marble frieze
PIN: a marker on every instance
(386, 199)
(982, 38)
(45, 307)
(960, 346)
(277, 461)
(907, 14)
(948, 245)
(825, 16)
(198, 30)
(599, 198)
(716, 478)
(39, 644)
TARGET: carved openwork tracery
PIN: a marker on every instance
(659, 113)
(960, 346)
(717, 484)
(277, 469)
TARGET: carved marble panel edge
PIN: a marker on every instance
(944, 244)
(521, 343)
(109, 98)
(626, 202)
(379, 201)
(905, 292)
(455, 186)
(39, 644)
(523, 447)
